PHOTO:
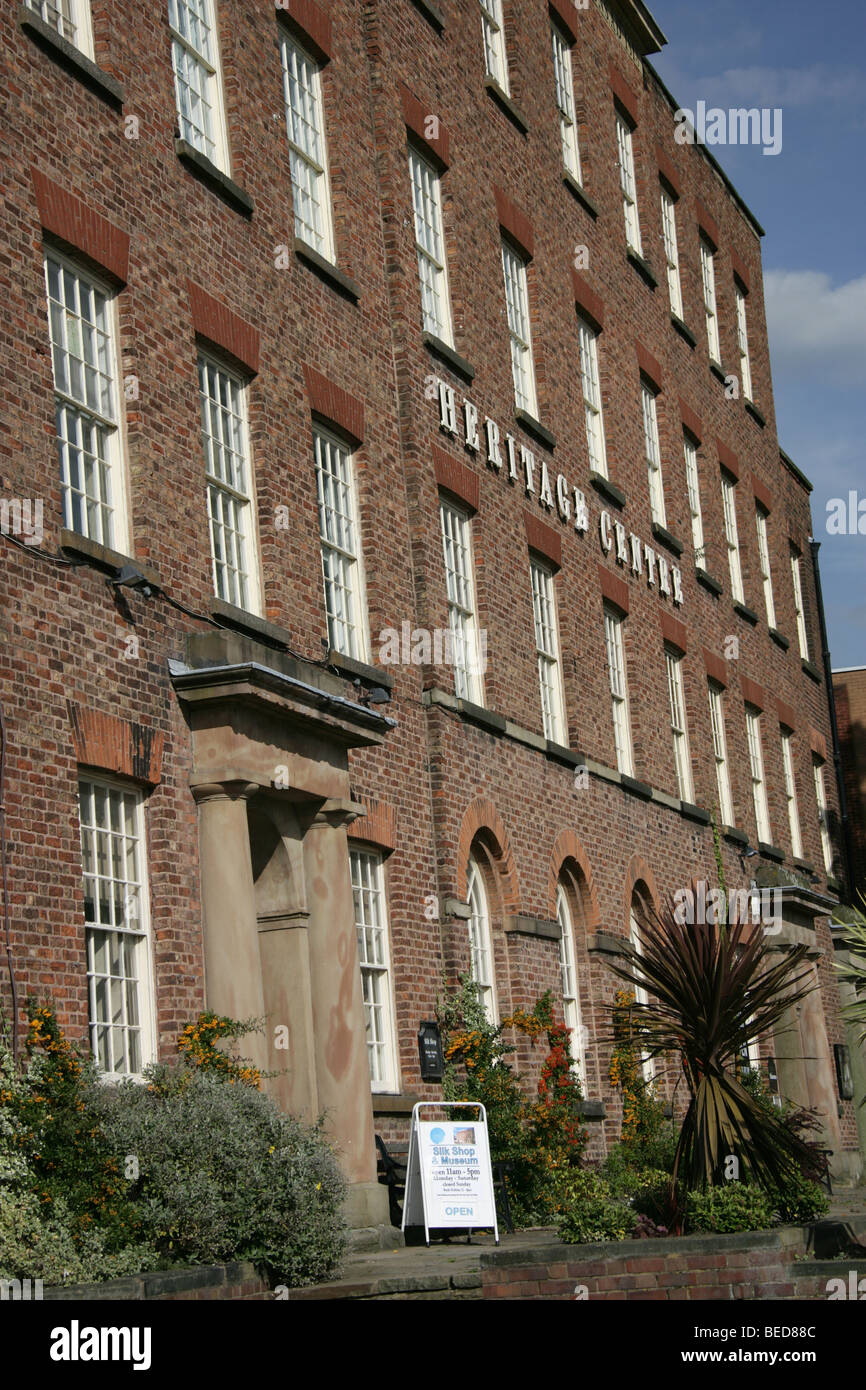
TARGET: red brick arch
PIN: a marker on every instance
(482, 816)
(568, 846)
(639, 871)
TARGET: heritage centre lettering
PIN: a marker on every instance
(519, 465)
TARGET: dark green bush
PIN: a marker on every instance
(737, 1206)
(588, 1210)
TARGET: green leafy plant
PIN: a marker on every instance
(737, 1206)
(589, 1211)
(710, 989)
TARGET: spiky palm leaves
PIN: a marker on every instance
(711, 989)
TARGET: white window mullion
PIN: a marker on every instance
(70, 18)
(720, 754)
(493, 31)
(628, 185)
(613, 625)
(672, 258)
(743, 344)
(766, 573)
(568, 971)
(564, 86)
(117, 928)
(371, 926)
(791, 796)
(197, 78)
(799, 609)
(694, 492)
(756, 764)
(228, 469)
(342, 570)
(679, 730)
(460, 587)
(732, 539)
(305, 130)
(480, 942)
(517, 306)
(653, 453)
(708, 278)
(823, 818)
(430, 248)
(547, 648)
(592, 403)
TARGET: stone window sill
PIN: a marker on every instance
(432, 13)
(579, 192)
(684, 330)
(607, 489)
(752, 409)
(70, 57)
(779, 639)
(447, 353)
(643, 268)
(243, 621)
(637, 788)
(662, 534)
(770, 852)
(103, 557)
(745, 612)
(504, 102)
(718, 373)
(708, 581)
(349, 666)
(736, 837)
(220, 183)
(535, 428)
(343, 283)
(695, 813)
(811, 671)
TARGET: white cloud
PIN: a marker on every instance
(818, 85)
(815, 327)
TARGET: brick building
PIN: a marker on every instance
(396, 349)
(849, 690)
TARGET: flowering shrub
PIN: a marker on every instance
(539, 1138)
(197, 1046)
(647, 1139)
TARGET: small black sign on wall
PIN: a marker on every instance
(430, 1050)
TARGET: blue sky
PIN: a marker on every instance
(809, 60)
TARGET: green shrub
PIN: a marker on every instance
(737, 1206)
(801, 1201)
(39, 1240)
(221, 1173)
(589, 1212)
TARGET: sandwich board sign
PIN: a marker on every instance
(449, 1180)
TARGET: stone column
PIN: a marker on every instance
(233, 982)
(342, 1069)
(285, 965)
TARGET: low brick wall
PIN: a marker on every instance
(231, 1281)
(756, 1265)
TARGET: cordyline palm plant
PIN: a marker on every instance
(854, 971)
(711, 989)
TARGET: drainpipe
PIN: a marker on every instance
(815, 546)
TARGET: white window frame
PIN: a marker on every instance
(482, 967)
(308, 146)
(791, 794)
(761, 517)
(547, 649)
(70, 19)
(124, 914)
(672, 255)
(732, 537)
(628, 183)
(693, 488)
(455, 525)
(89, 418)
(653, 455)
(711, 313)
(563, 78)
(493, 34)
(367, 872)
(519, 328)
(592, 402)
(618, 677)
(647, 1062)
(743, 343)
(340, 539)
(231, 506)
(679, 723)
(720, 752)
(195, 52)
(568, 975)
(823, 816)
(799, 608)
(430, 247)
(759, 781)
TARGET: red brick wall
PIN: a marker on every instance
(63, 634)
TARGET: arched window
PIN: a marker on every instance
(568, 966)
(480, 943)
(648, 1065)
